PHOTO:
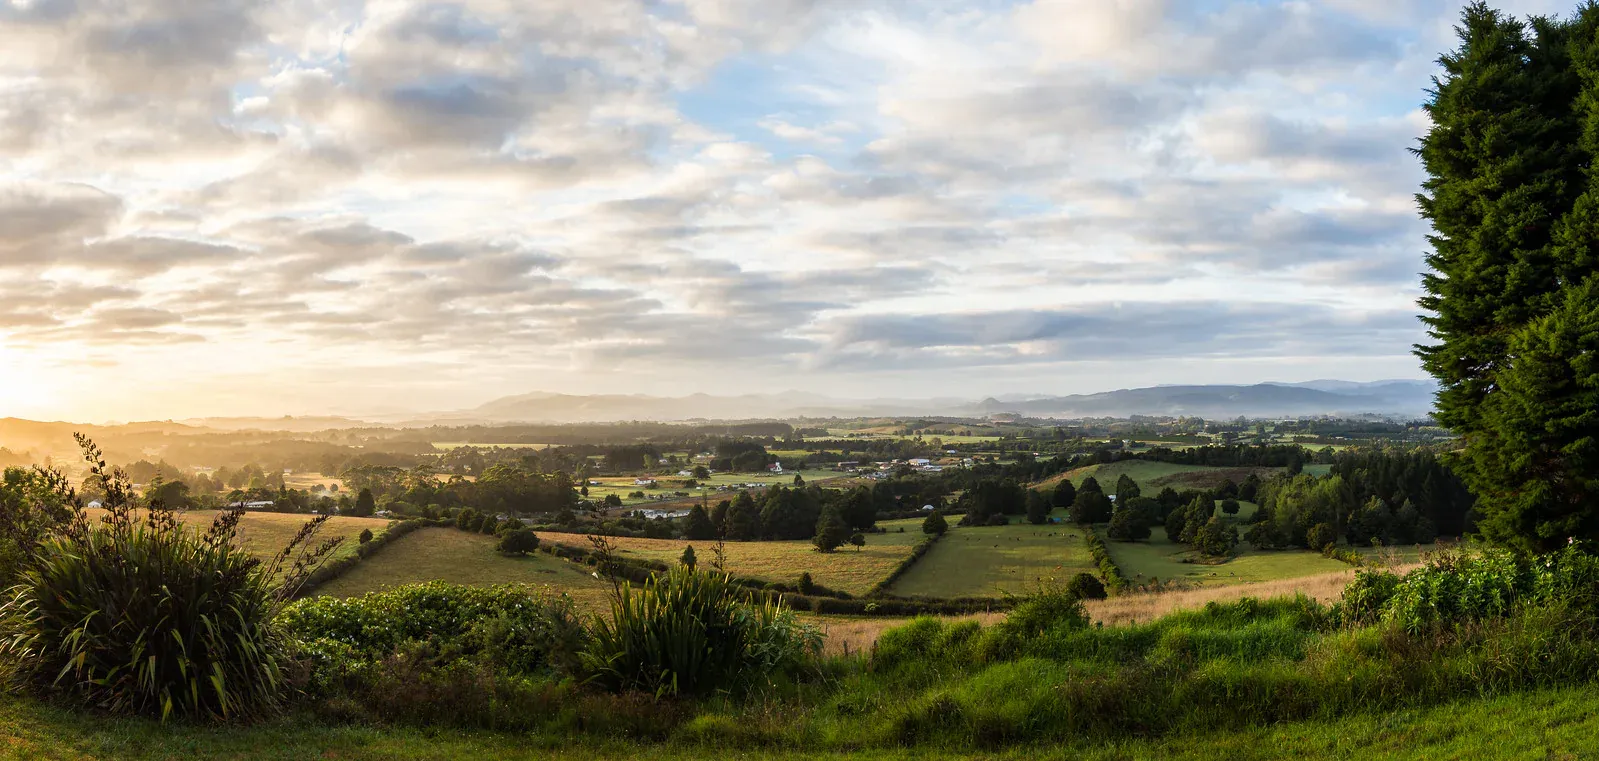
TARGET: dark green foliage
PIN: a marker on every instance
(365, 505)
(489, 525)
(1195, 516)
(687, 559)
(1176, 523)
(1038, 508)
(830, 531)
(806, 586)
(518, 542)
(1086, 586)
(1320, 536)
(791, 513)
(689, 632)
(997, 520)
(365, 536)
(1126, 490)
(1216, 538)
(1064, 495)
(991, 497)
(934, 524)
(743, 519)
(698, 525)
(1091, 506)
(1512, 194)
(857, 540)
(136, 614)
(1230, 506)
(613, 500)
(1132, 522)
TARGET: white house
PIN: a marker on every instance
(643, 482)
(777, 467)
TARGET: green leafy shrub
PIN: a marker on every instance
(1086, 586)
(366, 536)
(518, 542)
(935, 524)
(688, 632)
(136, 614)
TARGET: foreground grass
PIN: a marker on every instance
(458, 557)
(990, 561)
(847, 569)
(1551, 724)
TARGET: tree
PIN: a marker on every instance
(830, 531)
(858, 540)
(935, 524)
(1090, 484)
(1513, 198)
(744, 519)
(1126, 489)
(518, 542)
(1216, 538)
(613, 500)
(1320, 536)
(1090, 506)
(806, 585)
(688, 559)
(1086, 586)
(489, 526)
(698, 525)
(1230, 506)
(1129, 524)
(366, 536)
(701, 472)
(799, 480)
(1064, 495)
(365, 505)
(1037, 508)
(1199, 511)
(1176, 523)
(584, 491)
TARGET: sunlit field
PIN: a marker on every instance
(991, 561)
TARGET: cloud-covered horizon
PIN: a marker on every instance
(240, 207)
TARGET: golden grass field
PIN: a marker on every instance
(846, 569)
(459, 557)
(264, 534)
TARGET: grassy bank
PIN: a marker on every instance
(1552, 724)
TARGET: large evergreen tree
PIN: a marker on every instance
(1514, 204)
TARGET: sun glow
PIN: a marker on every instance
(24, 390)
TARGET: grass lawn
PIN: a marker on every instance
(458, 557)
(1161, 559)
(986, 561)
(1531, 726)
(846, 569)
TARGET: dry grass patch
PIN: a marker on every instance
(847, 569)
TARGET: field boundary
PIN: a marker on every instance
(1115, 581)
(839, 603)
(881, 588)
(333, 569)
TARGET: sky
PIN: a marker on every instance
(310, 207)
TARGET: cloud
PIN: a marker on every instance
(615, 194)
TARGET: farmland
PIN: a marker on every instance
(1154, 475)
(264, 534)
(1159, 558)
(667, 486)
(847, 570)
(987, 561)
(458, 557)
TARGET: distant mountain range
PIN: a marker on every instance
(1401, 398)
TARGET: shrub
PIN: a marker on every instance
(1108, 570)
(489, 526)
(140, 615)
(688, 560)
(522, 631)
(935, 524)
(518, 542)
(1319, 536)
(806, 586)
(366, 536)
(1086, 587)
(688, 632)
(998, 520)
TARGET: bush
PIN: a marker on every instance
(1108, 570)
(997, 520)
(518, 542)
(1086, 587)
(688, 633)
(806, 586)
(139, 615)
(366, 536)
(1319, 536)
(935, 524)
(519, 631)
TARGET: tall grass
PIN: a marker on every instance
(691, 632)
(135, 614)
